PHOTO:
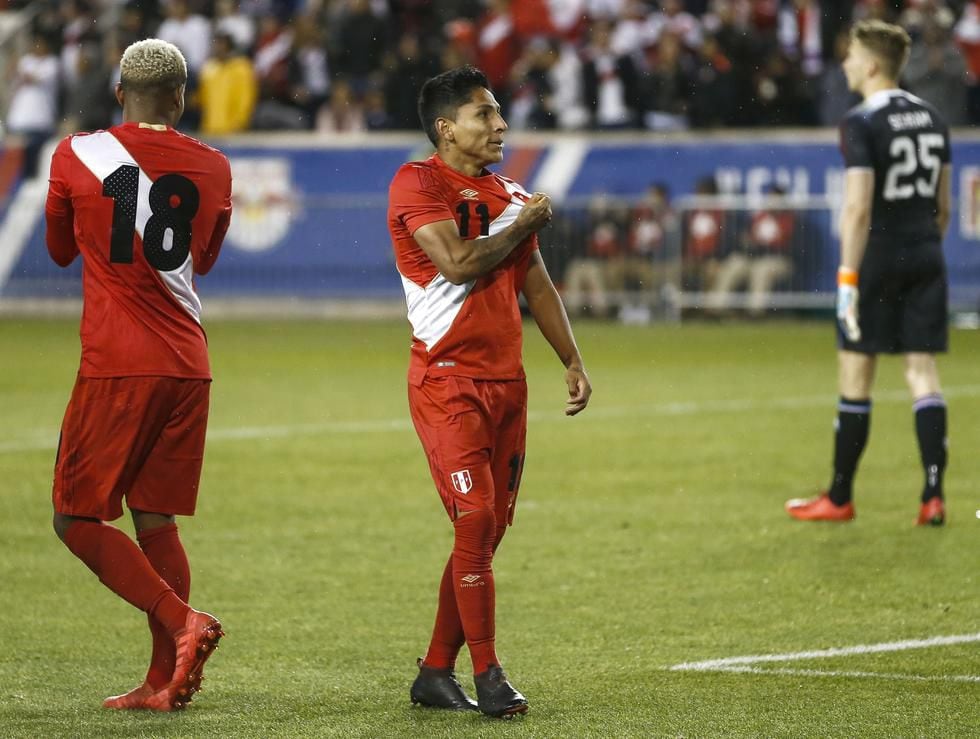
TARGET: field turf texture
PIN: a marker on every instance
(650, 532)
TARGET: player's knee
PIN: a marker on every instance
(475, 532)
(921, 378)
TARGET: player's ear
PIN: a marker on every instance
(444, 127)
(120, 95)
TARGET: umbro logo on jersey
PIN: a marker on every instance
(469, 194)
(462, 482)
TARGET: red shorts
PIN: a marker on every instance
(141, 438)
(473, 433)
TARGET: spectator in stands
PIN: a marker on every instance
(228, 90)
(742, 47)
(673, 19)
(229, 19)
(497, 47)
(609, 82)
(713, 87)
(532, 101)
(967, 35)
(307, 71)
(587, 276)
(651, 265)
(665, 89)
(89, 103)
(800, 35)
(190, 32)
(762, 258)
(704, 230)
(344, 112)
(937, 73)
(33, 111)
(780, 95)
(363, 40)
(406, 69)
(79, 27)
(273, 48)
(132, 26)
(835, 97)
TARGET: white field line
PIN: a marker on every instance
(747, 664)
(851, 673)
(40, 439)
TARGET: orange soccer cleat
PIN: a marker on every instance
(195, 643)
(932, 513)
(135, 698)
(821, 508)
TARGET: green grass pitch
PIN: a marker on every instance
(650, 532)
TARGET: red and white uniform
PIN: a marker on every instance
(471, 330)
(138, 320)
(147, 208)
(467, 392)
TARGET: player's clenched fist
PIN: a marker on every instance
(536, 212)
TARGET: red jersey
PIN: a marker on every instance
(147, 208)
(474, 329)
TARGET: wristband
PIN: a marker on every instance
(847, 276)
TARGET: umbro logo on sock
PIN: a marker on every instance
(471, 581)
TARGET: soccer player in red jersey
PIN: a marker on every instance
(466, 247)
(146, 208)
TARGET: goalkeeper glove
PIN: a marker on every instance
(847, 303)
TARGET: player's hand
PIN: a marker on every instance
(847, 303)
(579, 390)
(536, 212)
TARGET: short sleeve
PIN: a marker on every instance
(855, 142)
(416, 199)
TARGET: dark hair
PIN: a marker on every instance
(442, 95)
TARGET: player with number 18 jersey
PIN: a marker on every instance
(147, 207)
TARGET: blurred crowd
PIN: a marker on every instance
(352, 65)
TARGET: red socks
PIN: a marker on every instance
(447, 635)
(125, 570)
(164, 551)
(473, 584)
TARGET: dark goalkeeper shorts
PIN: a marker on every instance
(903, 302)
(138, 438)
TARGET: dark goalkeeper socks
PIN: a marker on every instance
(850, 438)
(930, 429)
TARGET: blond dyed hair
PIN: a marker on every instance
(151, 65)
(888, 42)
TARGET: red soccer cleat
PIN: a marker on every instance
(820, 508)
(134, 699)
(195, 643)
(932, 513)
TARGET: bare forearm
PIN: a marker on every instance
(853, 237)
(476, 257)
(549, 314)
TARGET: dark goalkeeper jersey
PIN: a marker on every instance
(905, 142)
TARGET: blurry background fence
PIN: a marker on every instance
(642, 229)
